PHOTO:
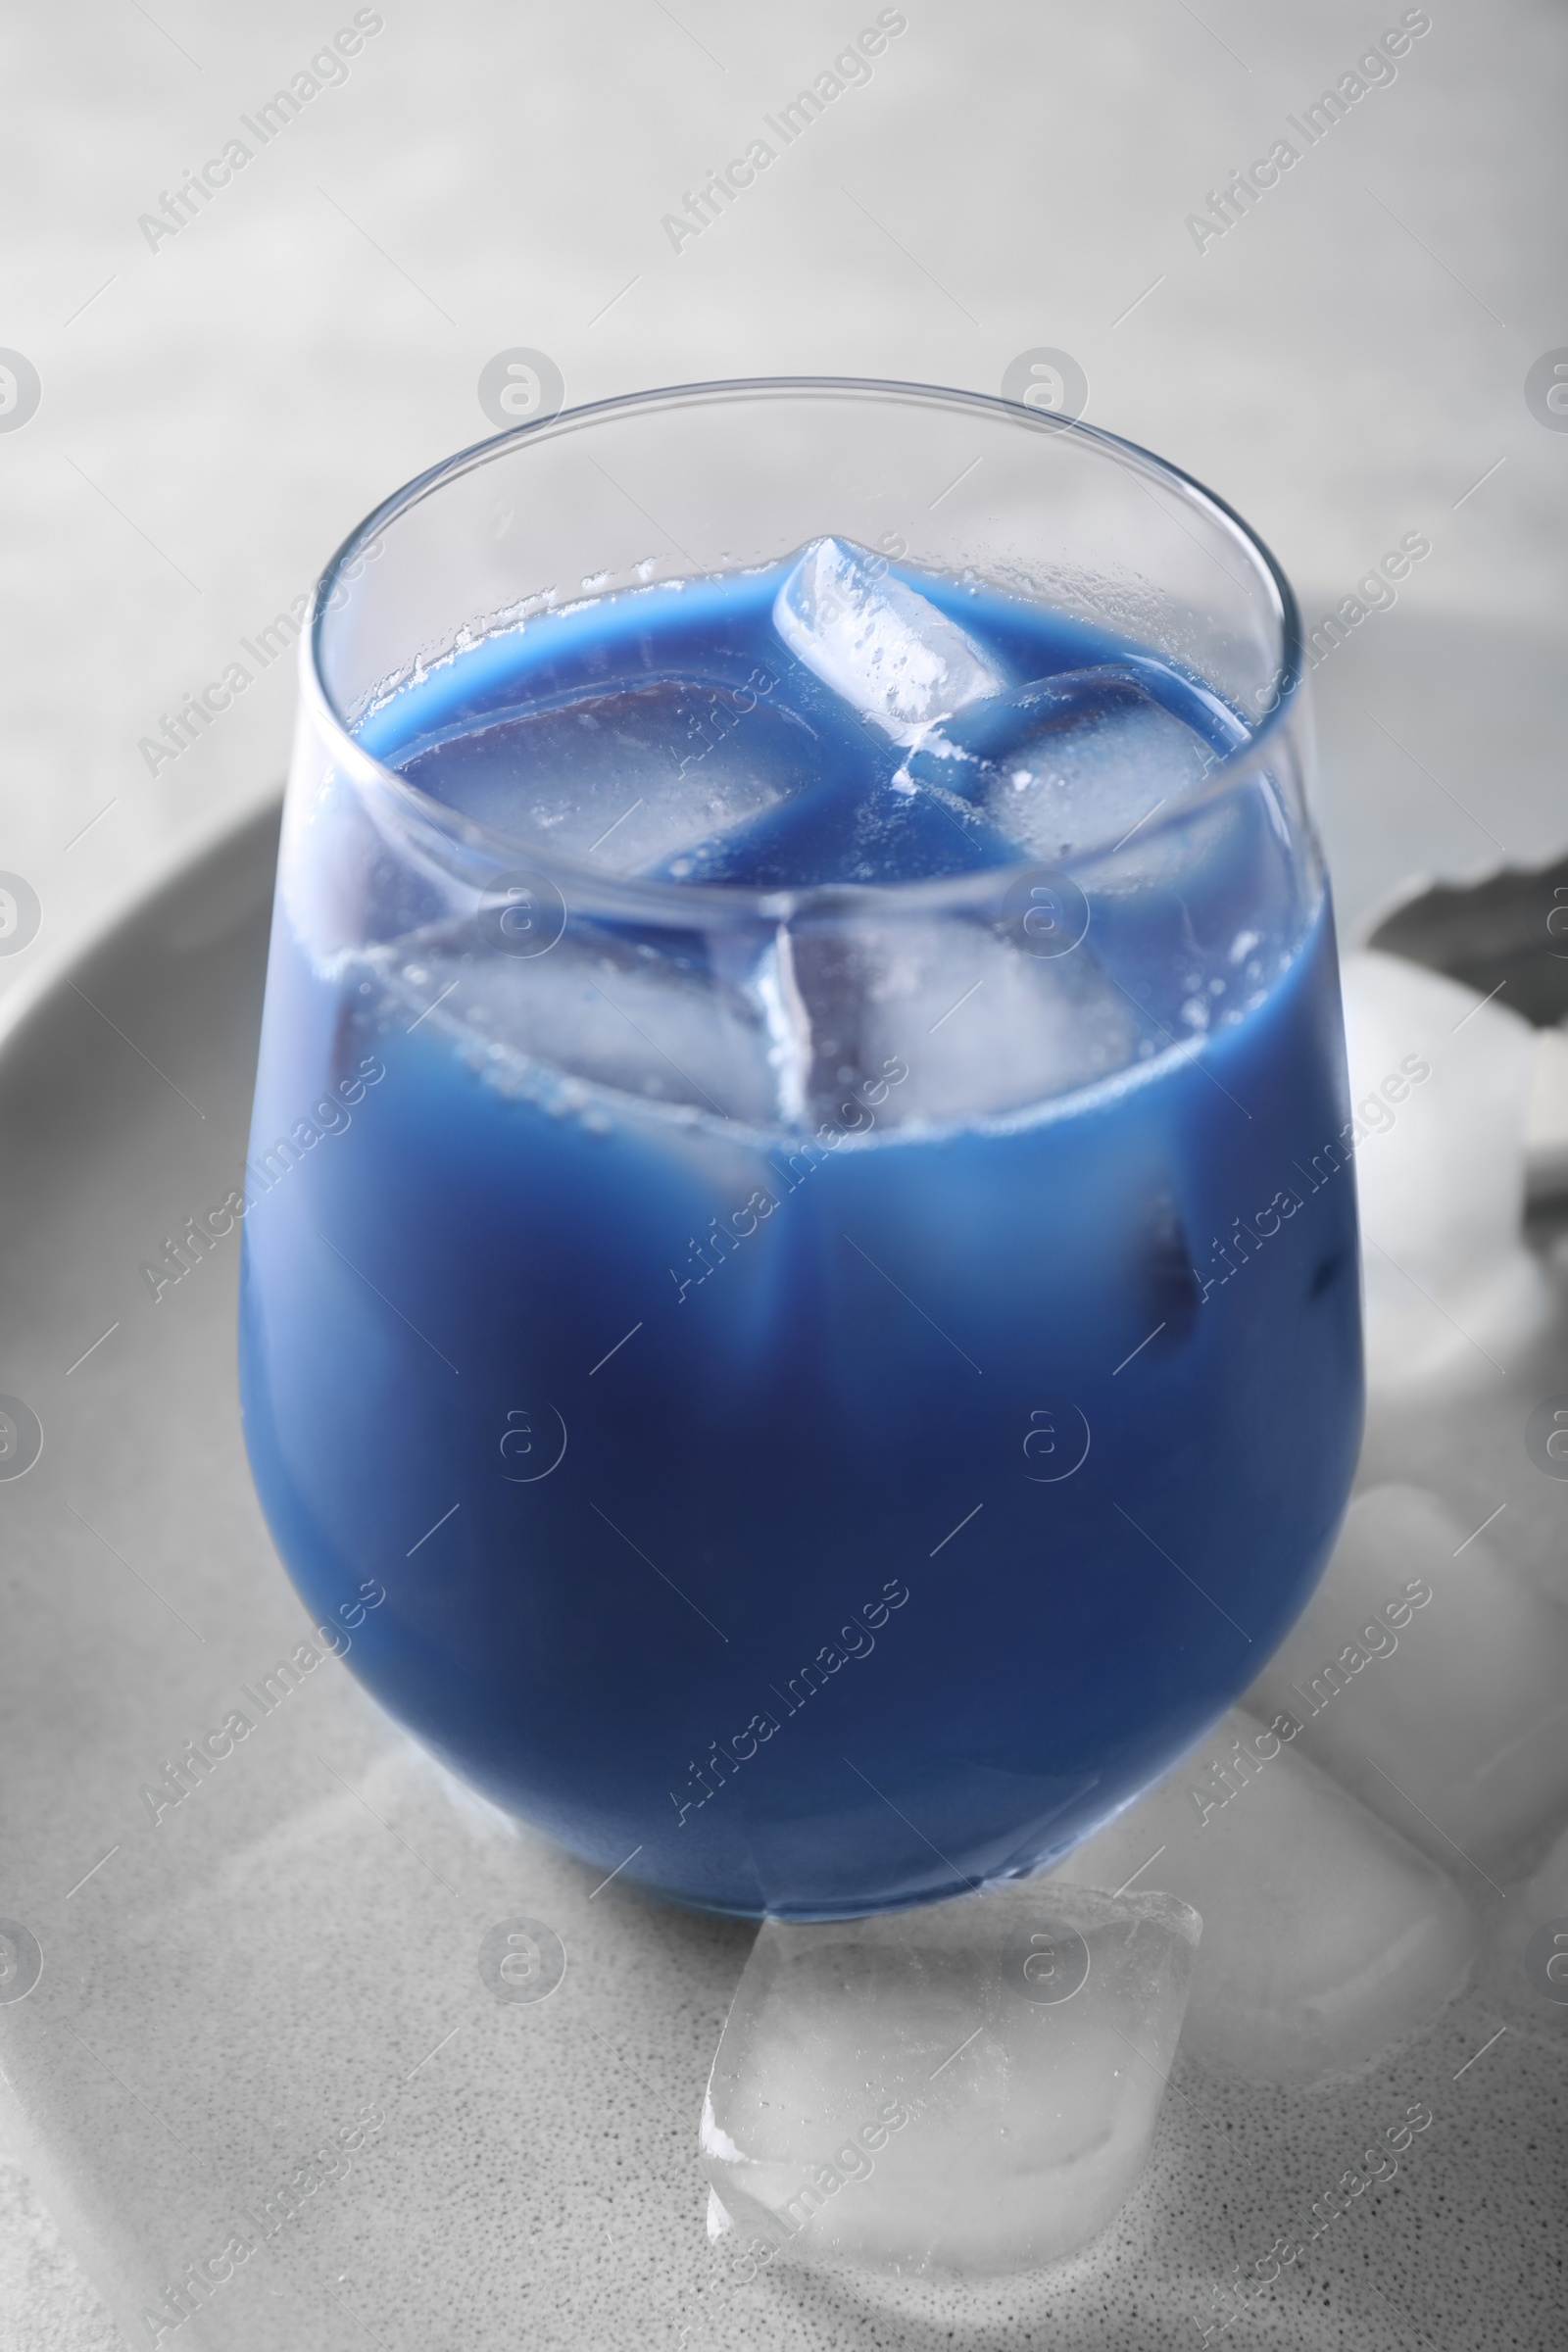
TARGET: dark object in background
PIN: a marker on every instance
(1505, 936)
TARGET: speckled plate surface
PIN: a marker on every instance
(268, 2019)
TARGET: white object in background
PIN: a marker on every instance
(1433, 1682)
(966, 2090)
(1440, 1085)
(1326, 1937)
(1526, 1963)
(888, 651)
(1546, 1118)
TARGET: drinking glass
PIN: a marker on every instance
(804, 1490)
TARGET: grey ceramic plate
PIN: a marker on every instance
(289, 1958)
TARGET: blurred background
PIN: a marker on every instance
(216, 407)
(198, 398)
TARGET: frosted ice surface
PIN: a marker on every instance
(1440, 1083)
(882, 646)
(1326, 1937)
(982, 1026)
(967, 2088)
(627, 776)
(790, 1026)
(1071, 761)
(614, 1013)
(1432, 1679)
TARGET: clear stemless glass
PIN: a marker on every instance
(814, 1391)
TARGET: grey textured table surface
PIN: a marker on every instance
(1345, 365)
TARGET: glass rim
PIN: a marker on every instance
(687, 905)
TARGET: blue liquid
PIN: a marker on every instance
(823, 1607)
